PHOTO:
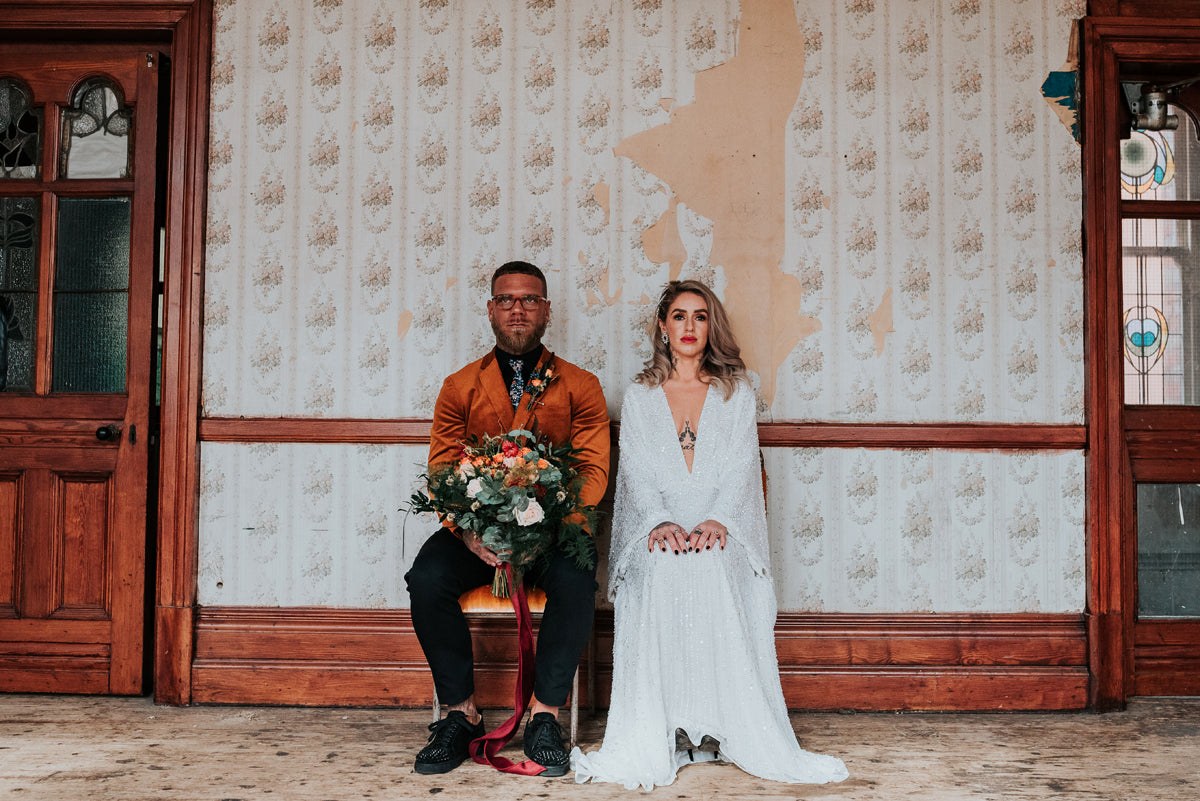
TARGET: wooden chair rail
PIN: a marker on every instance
(415, 431)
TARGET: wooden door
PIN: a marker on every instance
(77, 311)
(1159, 271)
(1142, 189)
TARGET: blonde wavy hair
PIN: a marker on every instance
(722, 359)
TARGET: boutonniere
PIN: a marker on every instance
(539, 381)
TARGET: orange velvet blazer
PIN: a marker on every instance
(474, 401)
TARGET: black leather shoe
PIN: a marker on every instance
(448, 743)
(544, 744)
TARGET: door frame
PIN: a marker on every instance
(184, 156)
(1112, 468)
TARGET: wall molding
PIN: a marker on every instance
(415, 431)
(370, 657)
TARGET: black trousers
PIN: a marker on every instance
(445, 568)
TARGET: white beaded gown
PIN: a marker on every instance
(694, 645)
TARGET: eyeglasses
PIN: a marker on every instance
(528, 302)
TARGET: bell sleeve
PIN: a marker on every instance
(638, 504)
(739, 503)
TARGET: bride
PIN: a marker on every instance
(695, 676)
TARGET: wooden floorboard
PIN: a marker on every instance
(76, 747)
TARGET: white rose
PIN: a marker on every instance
(465, 470)
(533, 514)
(474, 487)
(510, 461)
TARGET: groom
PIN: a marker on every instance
(487, 397)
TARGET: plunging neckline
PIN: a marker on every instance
(695, 426)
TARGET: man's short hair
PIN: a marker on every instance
(520, 268)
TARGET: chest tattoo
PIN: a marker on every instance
(687, 437)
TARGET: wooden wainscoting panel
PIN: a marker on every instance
(322, 656)
(932, 661)
(930, 639)
(1166, 672)
(369, 657)
(959, 688)
(1165, 657)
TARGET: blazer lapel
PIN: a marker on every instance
(491, 382)
(523, 415)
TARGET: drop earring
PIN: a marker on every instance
(666, 340)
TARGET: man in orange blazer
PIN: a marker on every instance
(488, 397)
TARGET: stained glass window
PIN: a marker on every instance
(95, 138)
(1161, 312)
(1147, 164)
(18, 291)
(20, 132)
(1161, 165)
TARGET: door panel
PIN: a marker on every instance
(77, 270)
(83, 534)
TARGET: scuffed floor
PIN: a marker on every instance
(68, 747)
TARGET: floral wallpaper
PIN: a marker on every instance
(926, 531)
(372, 161)
(850, 530)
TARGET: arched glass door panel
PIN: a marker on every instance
(20, 131)
(95, 133)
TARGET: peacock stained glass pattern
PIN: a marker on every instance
(1160, 165)
(1160, 321)
(20, 132)
(1145, 329)
(18, 291)
(95, 134)
(1147, 163)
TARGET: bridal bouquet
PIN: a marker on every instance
(519, 493)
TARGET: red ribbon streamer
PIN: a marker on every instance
(484, 749)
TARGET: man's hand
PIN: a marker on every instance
(475, 543)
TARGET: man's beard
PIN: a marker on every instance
(518, 343)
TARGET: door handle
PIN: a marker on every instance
(108, 433)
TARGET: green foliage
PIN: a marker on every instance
(519, 492)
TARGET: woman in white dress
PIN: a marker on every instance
(695, 676)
